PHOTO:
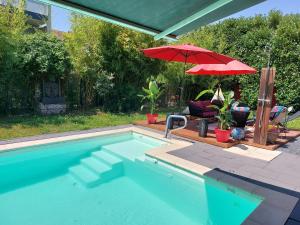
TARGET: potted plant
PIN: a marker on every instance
(272, 134)
(151, 95)
(224, 117)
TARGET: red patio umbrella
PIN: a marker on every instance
(234, 67)
(187, 54)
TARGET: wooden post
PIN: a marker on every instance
(264, 105)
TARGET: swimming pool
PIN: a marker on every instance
(107, 180)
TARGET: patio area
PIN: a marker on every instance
(191, 132)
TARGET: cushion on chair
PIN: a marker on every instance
(201, 109)
(241, 109)
(276, 110)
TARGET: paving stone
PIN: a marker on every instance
(277, 199)
(295, 215)
(250, 222)
(266, 214)
(252, 162)
(266, 173)
(262, 179)
(260, 172)
(292, 147)
(288, 182)
(292, 222)
(284, 160)
(242, 173)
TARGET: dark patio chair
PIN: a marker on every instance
(202, 109)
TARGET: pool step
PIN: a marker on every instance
(120, 155)
(84, 175)
(98, 168)
(108, 158)
(95, 165)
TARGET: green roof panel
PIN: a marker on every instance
(164, 18)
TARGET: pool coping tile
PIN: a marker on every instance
(15, 144)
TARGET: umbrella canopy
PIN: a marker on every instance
(187, 54)
(232, 68)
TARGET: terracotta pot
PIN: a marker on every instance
(151, 118)
(222, 135)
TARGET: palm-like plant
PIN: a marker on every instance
(224, 116)
(151, 94)
(211, 86)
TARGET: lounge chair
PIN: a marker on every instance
(278, 117)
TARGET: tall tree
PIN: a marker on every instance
(12, 27)
(83, 44)
(101, 49)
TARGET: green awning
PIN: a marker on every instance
(160, 18)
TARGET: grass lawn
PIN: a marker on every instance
(294, 124)
(24, 126)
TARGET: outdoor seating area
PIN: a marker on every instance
(223, 119)
(192, 132)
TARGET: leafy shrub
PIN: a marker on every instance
(249, 40)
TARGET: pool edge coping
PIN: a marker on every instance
(48, 139)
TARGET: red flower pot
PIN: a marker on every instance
(222, 135)
(151, 118)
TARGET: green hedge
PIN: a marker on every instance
(249, 40)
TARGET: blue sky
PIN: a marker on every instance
(61, 17)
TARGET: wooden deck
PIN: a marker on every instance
(191, 132)
(283, 139)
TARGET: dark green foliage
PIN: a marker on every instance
(111, 50)
(104, 84)
(35, 57)
(123, 98)
(43, 56)
(250, 40)
(121, 51)
(12, 26)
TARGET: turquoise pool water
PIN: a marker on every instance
(107, 181)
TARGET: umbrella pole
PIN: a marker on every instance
(219, 87)
(182, 83)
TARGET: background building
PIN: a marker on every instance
(39, 13)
